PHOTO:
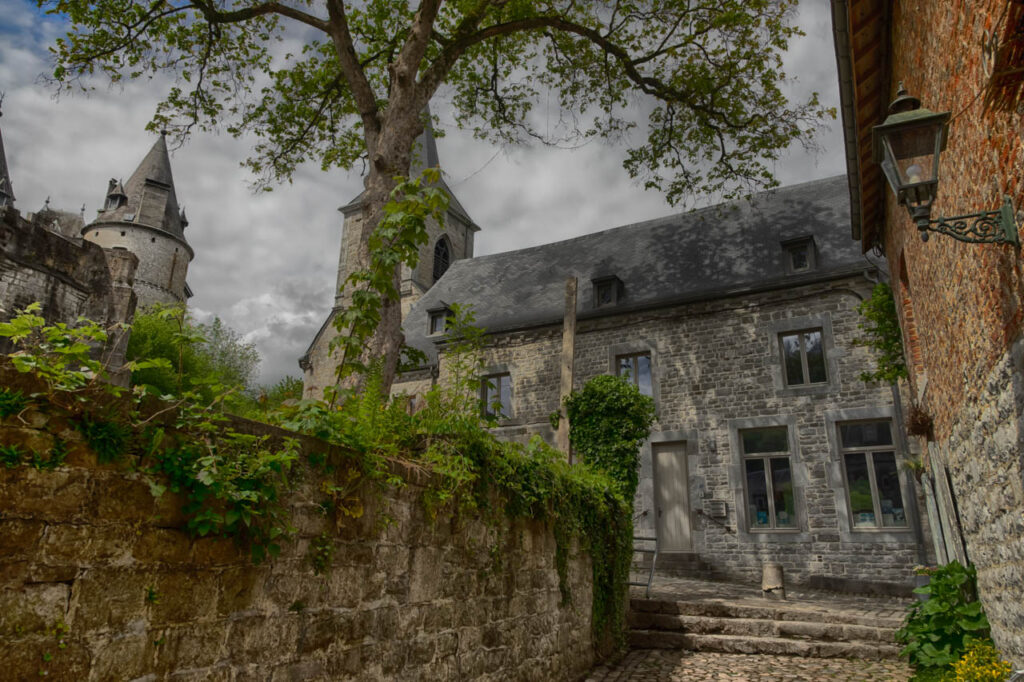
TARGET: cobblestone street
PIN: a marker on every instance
(660, 665)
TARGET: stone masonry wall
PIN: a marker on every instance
(989, 488)
(717, 368)
(90, 559)
(69, 278)
(967, 300)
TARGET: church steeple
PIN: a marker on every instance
(6, 189)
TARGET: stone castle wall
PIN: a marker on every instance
(717, 368)
(86, 547)
(70, 278)
(163, 261)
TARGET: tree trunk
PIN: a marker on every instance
(389, 157)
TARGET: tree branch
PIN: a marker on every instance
(362, 92)
(215, 16)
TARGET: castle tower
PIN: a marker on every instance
(6, 189)
(142, 216)
(446, 244)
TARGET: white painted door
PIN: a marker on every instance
(671, 496)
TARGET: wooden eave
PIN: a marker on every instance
(861, 32)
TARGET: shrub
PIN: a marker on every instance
(608, 421)
(936, 632)
(881, 328)
(981, 663)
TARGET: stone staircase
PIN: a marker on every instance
(774, 627)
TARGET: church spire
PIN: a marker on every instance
(6, 189)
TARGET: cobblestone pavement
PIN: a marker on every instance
(661, 665)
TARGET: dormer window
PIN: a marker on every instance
(439, 319)
(800, 254)
(114, 201)
(607, 291)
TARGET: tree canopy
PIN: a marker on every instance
(345, 81)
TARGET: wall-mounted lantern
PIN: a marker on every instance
(907, 146)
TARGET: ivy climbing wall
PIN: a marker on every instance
(98, 581)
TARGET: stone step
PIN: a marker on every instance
(781, 611)
(760, 627)
(740, 644)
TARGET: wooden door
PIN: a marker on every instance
(671, 496)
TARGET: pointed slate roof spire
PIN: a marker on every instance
(6, 189)
(151, 200)
(424, 155)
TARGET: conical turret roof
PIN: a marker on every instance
(150, 191)
(5, 177)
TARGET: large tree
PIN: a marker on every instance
(360, 73)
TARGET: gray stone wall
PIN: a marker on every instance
(70, 278)
(163, 260)
(984, 462)
(410, 595)
(717, 368)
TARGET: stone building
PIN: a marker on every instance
(143, 216)
(134, 253)
(446, 245)
(960, 304)
(740, 321)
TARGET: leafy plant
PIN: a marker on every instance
(881, 327)
(321, 553)
(175, 355)
(10, 455)
(54, 458)
(981, 662)
(64, 356)
(608, 422)
(108, 439)
(935, 632)
(233, 483)
(11, 402)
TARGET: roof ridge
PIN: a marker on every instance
(651, 222)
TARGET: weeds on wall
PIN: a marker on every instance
(881, 327)
(234, 485)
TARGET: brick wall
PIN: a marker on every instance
(407, 597)
(966, 301)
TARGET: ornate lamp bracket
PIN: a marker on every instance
(986, 227)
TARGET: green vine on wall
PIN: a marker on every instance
(234, 484)
(881, 327)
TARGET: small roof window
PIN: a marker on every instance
(801, 256)
(438, 319)
(608, 291)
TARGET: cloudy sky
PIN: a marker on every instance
(266, 262)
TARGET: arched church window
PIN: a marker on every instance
(442, 257)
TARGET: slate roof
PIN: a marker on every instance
(151, 198)
(717, 251)
(5, 177)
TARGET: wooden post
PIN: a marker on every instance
(568, 354)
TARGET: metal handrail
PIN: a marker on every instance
(654, 560)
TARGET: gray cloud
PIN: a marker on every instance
(265, 262)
